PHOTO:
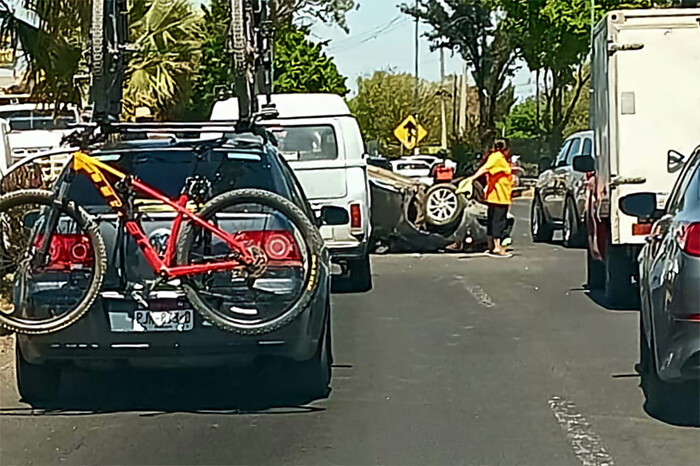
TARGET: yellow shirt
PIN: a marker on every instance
(500, 180)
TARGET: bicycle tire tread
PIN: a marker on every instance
(308, 230)
(99, 252)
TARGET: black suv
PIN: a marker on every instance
(107, 336)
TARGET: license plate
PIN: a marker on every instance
(163, 321)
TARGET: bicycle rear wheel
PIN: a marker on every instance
(274, 230)
(52, 262)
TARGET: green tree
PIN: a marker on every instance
(473, 28)
(328, 11)
(301, 65)
(553, 38)
(385, 99)
(167, 33)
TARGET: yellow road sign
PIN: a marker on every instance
(410, 132)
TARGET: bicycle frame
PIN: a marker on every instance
(95, 170)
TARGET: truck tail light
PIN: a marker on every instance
(641, 229)
(355, 218)
(689, 239)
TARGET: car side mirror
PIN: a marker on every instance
(640, 205)
(584, 163)
(674, 161)
(334, 216)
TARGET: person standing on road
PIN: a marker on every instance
(498, 196)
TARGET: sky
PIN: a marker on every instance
(381, 38)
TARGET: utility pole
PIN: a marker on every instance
(443, 110)
(416, 97)
(463, 102)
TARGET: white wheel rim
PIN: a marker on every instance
(442, 205)
(536, 220)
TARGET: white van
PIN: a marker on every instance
(321, 140)
(36, 128)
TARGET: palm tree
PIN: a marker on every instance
(168, 35)
(53, 36)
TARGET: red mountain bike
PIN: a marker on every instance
(217, 252)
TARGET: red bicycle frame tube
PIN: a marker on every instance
(163, 266)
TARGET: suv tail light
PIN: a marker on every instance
(279, 245)
(689, 239)
(68, 251)
(355, 218)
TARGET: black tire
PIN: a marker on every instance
(619, 268)
(574, 232)
(243, 63)
(665, 398)
(540, 230)
(595, 272)
(36, 384)
(358, 278)
(90, 229)
(313, 243)
(97, 40)
(445, 199)
(313, 377)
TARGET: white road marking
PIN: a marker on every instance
(480, 296)
(587, 445)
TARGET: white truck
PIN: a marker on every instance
(645, 103)
(321, 140)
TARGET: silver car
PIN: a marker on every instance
(559, 198)
(669, 279)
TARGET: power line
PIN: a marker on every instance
(367, 36)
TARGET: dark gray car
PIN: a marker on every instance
(669, 283)
(110, 334)
(559, 198)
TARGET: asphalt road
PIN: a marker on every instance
(459, 359)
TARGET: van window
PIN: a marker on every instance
(26, 120)
(304, 143)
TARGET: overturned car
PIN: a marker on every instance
(409, 216)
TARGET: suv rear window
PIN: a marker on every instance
(166, 170)
(303, 143)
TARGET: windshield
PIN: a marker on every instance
(167, 170)
(305, 143)
(26, 120)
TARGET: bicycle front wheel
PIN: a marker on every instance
(243, 53)
(289, 250)
(52, 262)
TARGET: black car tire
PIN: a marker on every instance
(540, 229)
(595, 272)
(448, 194)
(357, 279)
(663, 398)
(574, 233)
(313, 376)
(308, 231)
(37, 384)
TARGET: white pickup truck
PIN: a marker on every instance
(645, 103)
(322, 142)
